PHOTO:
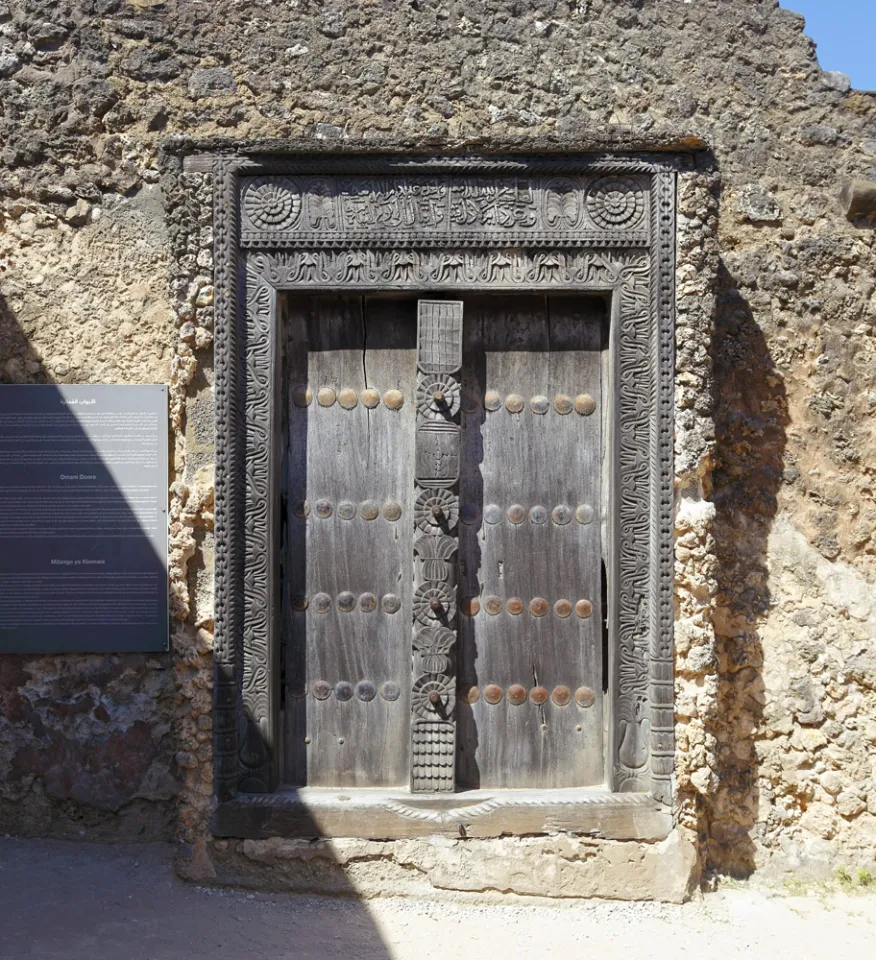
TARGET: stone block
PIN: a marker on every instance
(858, 199)
(562, 866)
(210, 82)
(836, 81)
(757, 205)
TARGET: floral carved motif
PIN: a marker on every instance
(271, 205)
(616, 203)
(434, 644)
(435, 554)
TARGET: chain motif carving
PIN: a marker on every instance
(607, 228)
(436, 453)
(228, 527)
(662, 667)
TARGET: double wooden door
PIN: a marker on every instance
(443, 622)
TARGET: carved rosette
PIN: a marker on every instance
(436, 515)
(271, 203)
(616, 203)
(437, 397)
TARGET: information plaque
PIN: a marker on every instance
(83, 519)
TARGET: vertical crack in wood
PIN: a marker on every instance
(433, 692)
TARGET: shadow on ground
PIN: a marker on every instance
(89, 747)
(67, 901)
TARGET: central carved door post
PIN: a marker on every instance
(436, 515)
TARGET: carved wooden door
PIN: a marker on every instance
(442, 603)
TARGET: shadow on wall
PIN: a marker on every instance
(89, 745)
(86, 738)
(750, 430)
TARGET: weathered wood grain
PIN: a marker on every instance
(531, 346)
(524, 345)
(355, 455)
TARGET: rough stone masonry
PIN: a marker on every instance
(106, 254)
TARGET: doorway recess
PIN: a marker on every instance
(561, 269)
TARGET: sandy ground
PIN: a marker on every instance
(66, 901)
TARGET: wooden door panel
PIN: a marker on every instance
(527, 457)
(526, 445)
(352, 463)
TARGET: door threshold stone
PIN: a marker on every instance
(395, 814)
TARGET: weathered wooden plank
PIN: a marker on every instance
(351, 459)
(526, 454)
(343, 454)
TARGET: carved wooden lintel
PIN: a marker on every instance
(446, 211)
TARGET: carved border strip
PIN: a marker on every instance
(228, 529)
(339, 164)
(258, 723)
(634, 400)
(403, 211)
(405, 241)
(662, 656)
(644, 289)
(448, 269)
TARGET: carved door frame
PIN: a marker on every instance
(581, 223)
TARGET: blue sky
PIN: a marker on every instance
(844, 31)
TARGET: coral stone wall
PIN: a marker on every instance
(106, 275)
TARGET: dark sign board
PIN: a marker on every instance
(83, 519)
